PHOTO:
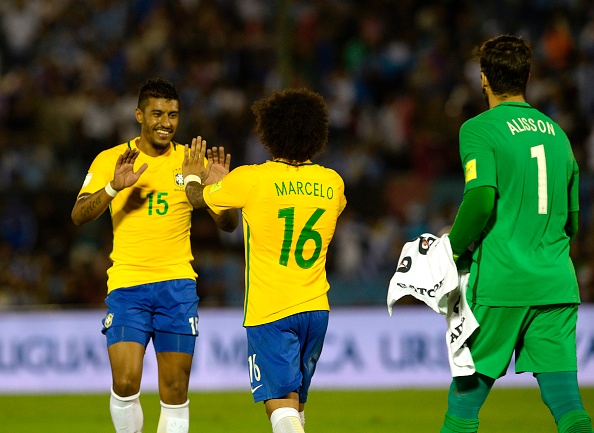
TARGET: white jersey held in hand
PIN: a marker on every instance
(427, 271)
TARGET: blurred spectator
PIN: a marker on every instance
(398, 78)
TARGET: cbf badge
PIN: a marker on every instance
(179, 179)
(108, 320)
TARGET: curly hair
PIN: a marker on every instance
(156, 88)
(292, 124)
(505, 61)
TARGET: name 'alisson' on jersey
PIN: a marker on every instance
(522, 124)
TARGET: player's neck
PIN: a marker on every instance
(494, 101)
(151, 149)
(288, 161)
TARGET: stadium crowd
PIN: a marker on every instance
(398, 78)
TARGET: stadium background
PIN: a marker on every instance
(397, 76)
(399, 82)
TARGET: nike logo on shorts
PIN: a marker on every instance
(254, 389)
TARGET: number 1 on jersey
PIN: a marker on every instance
(538, 152)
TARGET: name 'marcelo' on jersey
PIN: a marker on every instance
(289, 215)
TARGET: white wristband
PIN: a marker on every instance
(192, 178)
(109, 189)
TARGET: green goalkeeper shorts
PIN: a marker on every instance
(542, 337)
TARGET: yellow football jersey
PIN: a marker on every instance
(289, 216)
(151, 220)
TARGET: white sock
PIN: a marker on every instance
(302, 418)
(286, 420)
(126, 413)
(175, 418)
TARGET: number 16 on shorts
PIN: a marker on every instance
(254, 369)
(254, 372)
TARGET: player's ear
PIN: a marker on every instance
(484, 81)
(139, 115)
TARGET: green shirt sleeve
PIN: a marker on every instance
(473, 215)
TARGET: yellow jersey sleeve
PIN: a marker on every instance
(230, 193)
(101, 170)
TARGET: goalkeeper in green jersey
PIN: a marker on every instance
(519, 214)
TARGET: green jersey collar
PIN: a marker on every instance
(514, 104)
(299, 164)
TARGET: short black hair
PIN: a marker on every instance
(505, 61)
(292, 124)
(156, 88)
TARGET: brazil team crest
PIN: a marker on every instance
(179, 179)
(108, 320)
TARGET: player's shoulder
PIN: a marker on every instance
(113, 152)
(480, 119)
(482, 124)
(326, 171)
(247, 170)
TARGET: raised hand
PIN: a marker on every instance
(124, 175)
(220, 164)
(194, 159)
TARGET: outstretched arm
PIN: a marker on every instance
(90, 206)
(194, 172)
(227, 220)
(220, 164)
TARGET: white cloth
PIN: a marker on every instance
(427, 271)
(461, 324)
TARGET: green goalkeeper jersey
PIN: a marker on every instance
(522, 257)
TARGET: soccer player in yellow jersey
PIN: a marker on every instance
(151, 285)
(289, 208)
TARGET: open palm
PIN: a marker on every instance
(219, 164)
(124, 175)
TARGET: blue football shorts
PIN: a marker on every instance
(282, 355)
(165, 311)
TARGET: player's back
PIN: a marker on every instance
(289, 220)
(533, 175)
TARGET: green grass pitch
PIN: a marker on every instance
(388, 411)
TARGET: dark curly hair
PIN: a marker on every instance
(292, 124)
(505, 61)
(156, 88)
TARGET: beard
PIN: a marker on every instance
(154, 140)
(159, 144)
